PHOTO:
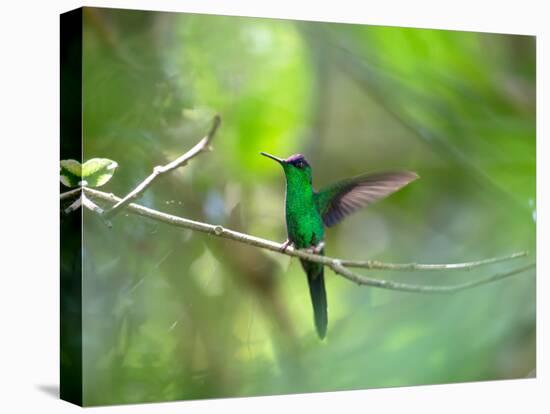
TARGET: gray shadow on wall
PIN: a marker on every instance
(50, 389)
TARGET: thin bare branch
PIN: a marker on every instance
(406, 287)
(86, 202)
(411, 267)
(90, 205)
(201, 146)
(335, 264)
(68, 194)
(75, 205)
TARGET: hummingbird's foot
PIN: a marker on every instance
(316, 249)
(319, 248)
(285, 245)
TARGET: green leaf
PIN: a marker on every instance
(71, 173)
(98, 171)
(94, 172)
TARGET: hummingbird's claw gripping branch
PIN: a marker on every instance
(202, 146)
(339, 266)
(315, 249)
(286, 245)
(319, 247)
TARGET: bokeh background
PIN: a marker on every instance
(173, 314)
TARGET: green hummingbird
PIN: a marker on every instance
(308, 212)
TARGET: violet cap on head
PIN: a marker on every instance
(294, 158)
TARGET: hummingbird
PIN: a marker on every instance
(308, 212)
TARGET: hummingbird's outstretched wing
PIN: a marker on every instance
(343, 198)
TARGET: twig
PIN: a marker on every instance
(335, 264)
(405, 287)
(374, 264)
(90, 205)
(202, 145)
(74, 205)
(70, 193)
(86, 202)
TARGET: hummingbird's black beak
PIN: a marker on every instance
(273, 157)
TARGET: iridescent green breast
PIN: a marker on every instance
(304, 224)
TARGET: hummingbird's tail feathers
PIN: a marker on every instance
(316, 281)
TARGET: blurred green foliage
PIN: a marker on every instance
(172, 314)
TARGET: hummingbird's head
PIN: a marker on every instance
(295, 166)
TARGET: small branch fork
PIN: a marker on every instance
(339, 266)
(202, 145)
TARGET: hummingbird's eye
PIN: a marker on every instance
(300, 164)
